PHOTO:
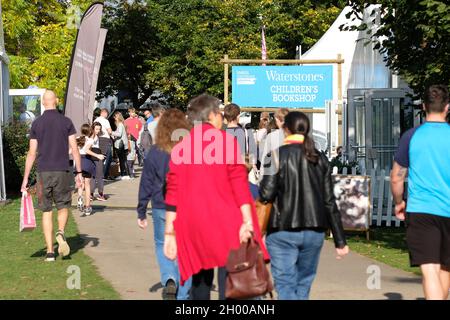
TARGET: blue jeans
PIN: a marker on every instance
(167, 268)
(294, 260)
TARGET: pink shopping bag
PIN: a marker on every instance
(27, 217)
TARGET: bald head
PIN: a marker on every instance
(49, 100)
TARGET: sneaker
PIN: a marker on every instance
(170, 290)
(125, 178)
(87, 211)
(92, 197)
(63, 246)
(101, 197)
(80, 203)
(50, 257)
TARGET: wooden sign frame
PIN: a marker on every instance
(226, 81)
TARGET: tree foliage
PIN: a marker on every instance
(415, 38)
(174, 46)
(39, 38)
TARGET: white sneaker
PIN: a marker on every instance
(126, 178)
(87, 211)
(80, 203)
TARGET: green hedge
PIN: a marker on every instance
(15, 148)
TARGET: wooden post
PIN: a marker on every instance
(340, 98)
(225, 80)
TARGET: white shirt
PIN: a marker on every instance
(88, 142)
(105, 126)
(95, 143)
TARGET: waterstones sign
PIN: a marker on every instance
(306, 87)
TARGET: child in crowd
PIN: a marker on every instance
(131, 157)
(85, 143)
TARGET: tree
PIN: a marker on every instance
(414, 36)
(39, 41)
(131, 41)
(195, 34)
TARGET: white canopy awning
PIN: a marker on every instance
(363, 66)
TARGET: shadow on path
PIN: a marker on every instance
(76, 243)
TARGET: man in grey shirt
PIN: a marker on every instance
(157, 112)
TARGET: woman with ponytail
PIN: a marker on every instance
(304, 207)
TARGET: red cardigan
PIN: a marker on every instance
(206, 186)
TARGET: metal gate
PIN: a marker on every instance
(375, 120)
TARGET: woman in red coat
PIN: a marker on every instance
(208, 200)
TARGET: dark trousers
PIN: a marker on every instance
(98, 181)
(122, 155)
(202, 284)
(105, 146)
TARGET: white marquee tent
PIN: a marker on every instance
(363, 66)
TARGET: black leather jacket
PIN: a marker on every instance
(302, 195)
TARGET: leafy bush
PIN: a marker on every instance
(15, 148)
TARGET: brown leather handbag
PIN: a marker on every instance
(248, 276)
(263, 213)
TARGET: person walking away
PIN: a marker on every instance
(98, 181)
(273, 141)
(121, 145)
(304, 208)
(245, 138)
(139, 150)
(134, 126)
(85, 143)
(210, 209)
(145, 141)
(157, 112)
(52, 135)
(131, 157)
(105, 140)
(422, 156)
(153, 179)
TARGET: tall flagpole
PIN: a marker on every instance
(263, 40)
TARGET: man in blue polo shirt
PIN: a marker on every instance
(424, 156)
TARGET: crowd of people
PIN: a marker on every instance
(203, 171)
(196, 227)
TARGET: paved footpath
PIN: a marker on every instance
(125, 256)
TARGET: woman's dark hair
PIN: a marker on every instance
(95, 124)
(86, 131)
(200, 108)
(97, 113)
(298, 123)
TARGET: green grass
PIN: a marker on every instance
(387, 245)
(25, 275)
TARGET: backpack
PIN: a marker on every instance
(146, 139)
